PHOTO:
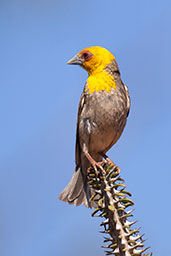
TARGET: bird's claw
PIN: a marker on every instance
(98, 165)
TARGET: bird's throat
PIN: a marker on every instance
(100, 82)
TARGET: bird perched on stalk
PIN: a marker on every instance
(102, 113)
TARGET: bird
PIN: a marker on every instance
(102, 115)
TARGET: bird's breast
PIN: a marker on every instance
(103, 118)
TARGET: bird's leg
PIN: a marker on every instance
(94, 163)
(109, 160)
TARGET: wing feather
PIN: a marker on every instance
(77, 144)
(128, 99)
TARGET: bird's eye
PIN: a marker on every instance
(86, 55)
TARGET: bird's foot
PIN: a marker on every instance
(95, 164)
(110, 161)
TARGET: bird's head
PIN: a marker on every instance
(93, 59)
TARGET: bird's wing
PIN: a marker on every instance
(77, 145)
(128, 99)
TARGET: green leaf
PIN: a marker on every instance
(126, 192)
(95, 211)
(111, 207)
(100, 202)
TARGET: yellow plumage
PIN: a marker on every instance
(100, 82)
(98, 79)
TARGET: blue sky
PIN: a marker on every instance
(39, 96)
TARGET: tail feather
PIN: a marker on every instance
(74, 193)
(78, 191)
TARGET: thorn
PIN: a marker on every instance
(108, 240)
(125, 216)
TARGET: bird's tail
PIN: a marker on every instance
(76, 192)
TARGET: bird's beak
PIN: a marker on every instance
(76, 60)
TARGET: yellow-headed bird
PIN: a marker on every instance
(102, 113)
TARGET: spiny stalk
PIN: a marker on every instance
(112, 201)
